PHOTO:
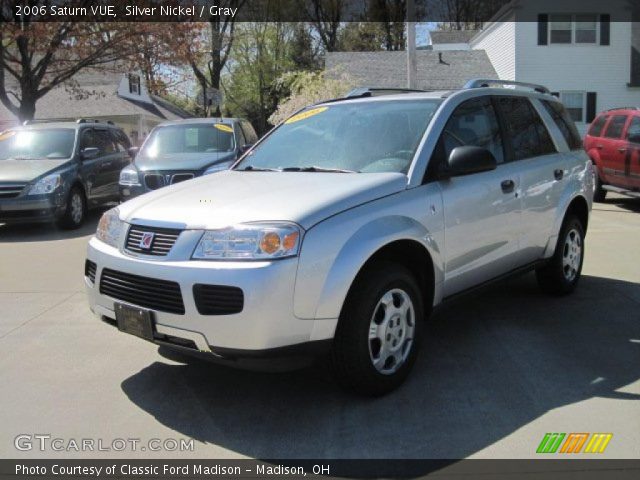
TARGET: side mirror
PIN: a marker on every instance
(634, 137)
(133, 151)
(245, 148)
(468, 160)
(89, 153)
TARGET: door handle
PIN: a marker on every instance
(507, 186)
(599, 147)
(558, 173)
(622, 149)
(106, 164)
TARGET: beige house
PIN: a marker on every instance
(119, 97)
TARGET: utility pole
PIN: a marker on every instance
(412, 70)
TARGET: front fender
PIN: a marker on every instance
(331, 258)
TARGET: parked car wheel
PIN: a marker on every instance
(75, 210)
(599, 193)
(561, 275)
(378, 334)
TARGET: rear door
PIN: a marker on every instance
(531, 149)
(633, 153)
(614, 151)
(482, 210)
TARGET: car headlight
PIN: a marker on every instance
(129, 176)
(250, 242)
(109, 227)
(46, 185)
(218, 167)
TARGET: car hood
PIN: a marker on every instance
(26, 170)
(182, 161)
(231, 197)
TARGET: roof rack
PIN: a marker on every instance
(93, 120)
(622, 108)
(486, 82)
(33, 122)
(377, 91)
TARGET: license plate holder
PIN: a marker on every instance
(135, 321)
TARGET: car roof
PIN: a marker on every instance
(206, 120)
(621, 110)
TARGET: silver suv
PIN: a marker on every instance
(340, 230)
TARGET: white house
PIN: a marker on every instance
(589, 57)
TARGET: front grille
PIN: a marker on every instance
(90, 270)
(154, 181)
(160, 295)
(163, 240)
(11, 190)
(218, 299)
(181, 177)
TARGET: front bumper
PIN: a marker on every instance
(31, 210)
(264, 327)
(127, 192)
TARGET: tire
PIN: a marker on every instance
(75, 210)
(358, 361)
(561, 275)
(599, 193)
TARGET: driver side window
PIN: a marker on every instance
(473, 123)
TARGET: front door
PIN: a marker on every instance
(632, 162)
(481, 211)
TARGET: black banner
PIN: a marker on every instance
(476, 11)
(325, 469)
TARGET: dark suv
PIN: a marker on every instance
(183, 149)
(55, 171)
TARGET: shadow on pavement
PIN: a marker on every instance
(490, 364)
(44, 232)
(627, 203)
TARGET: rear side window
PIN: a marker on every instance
(633, 132)
(615, 127)
(473, 123)
(598, 125)
(528, 135)
(121, 140)
(565, 123)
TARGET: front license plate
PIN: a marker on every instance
(134, 320)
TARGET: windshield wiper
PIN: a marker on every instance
(317, 169)
(251, 168)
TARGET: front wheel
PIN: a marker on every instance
(75, 210)
(599, 193)
(378, 334)
(561, 275)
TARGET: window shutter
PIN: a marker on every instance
(556, 94)
(591, 106)
(543, 27)
(605, 29)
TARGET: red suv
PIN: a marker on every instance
(613, 143)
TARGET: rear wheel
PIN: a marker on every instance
(562, 273)
(75, 210)
(378, 333)
(599, 193)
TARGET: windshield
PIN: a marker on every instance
(378, 136)
(48, 143)
(180, 139)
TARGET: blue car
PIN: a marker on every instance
(183, 149)
(56, 171)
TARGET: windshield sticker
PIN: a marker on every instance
(6, 135)
(306, 114)
(223, 128)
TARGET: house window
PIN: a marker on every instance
(579, 29)
(575, 103)
(586, 28)
(134, 84)
(560, 30)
